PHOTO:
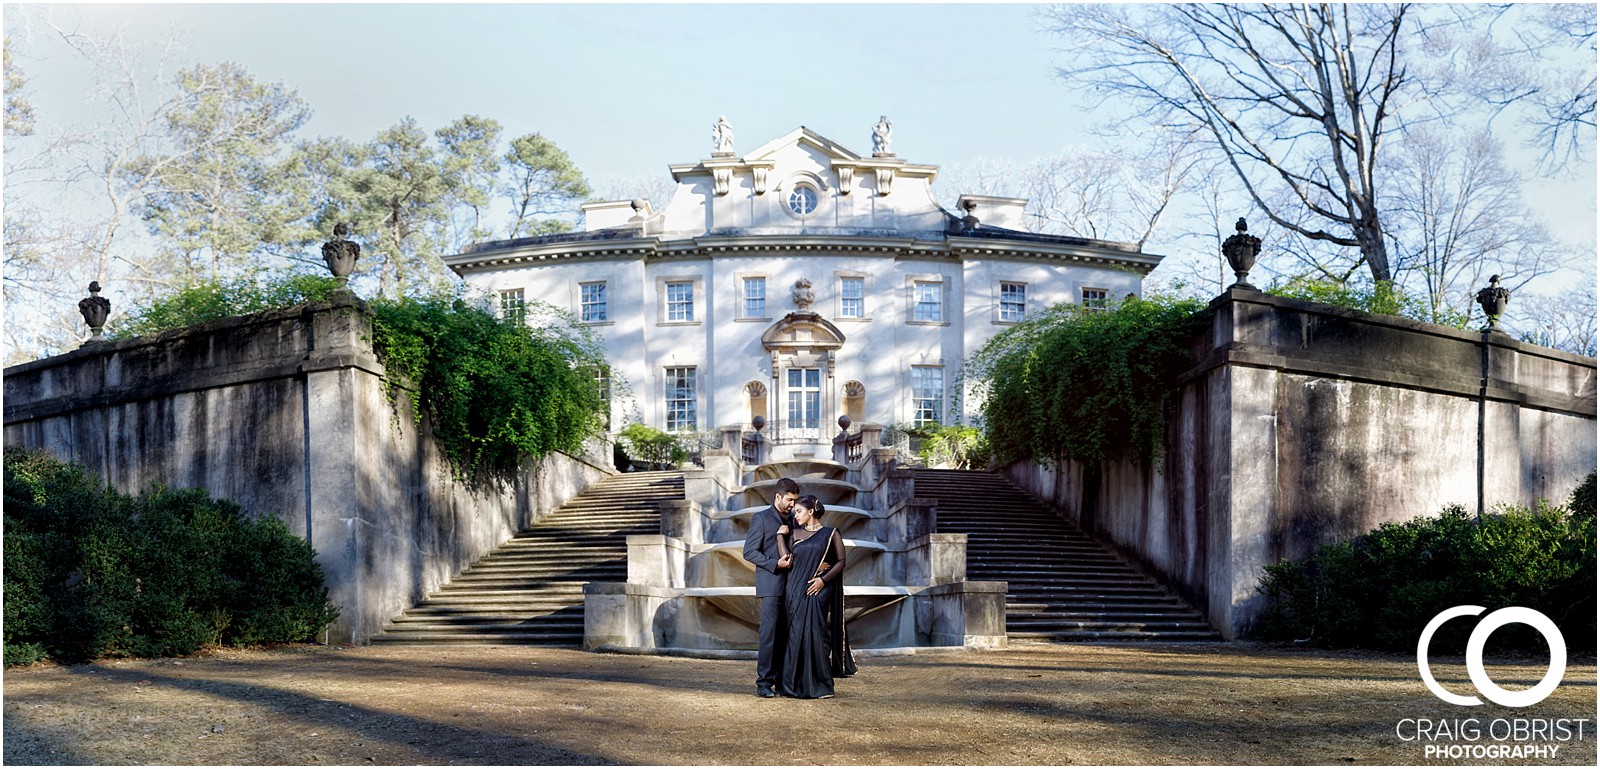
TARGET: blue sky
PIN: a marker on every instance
(629, 89)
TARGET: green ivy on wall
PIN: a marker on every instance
(494, 393)
(1083, 384)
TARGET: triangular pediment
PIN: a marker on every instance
(802, 330)
(801, 135)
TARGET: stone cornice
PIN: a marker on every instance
(517, 256)
(711, 246)
(1108, 255)
(900, 167)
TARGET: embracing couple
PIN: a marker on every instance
(800, 581)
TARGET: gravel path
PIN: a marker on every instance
(1034, 704)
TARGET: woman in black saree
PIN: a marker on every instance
(819, 649)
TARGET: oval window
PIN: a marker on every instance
(803, 199)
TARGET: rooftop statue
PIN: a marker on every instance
(880, 136)
(722, 137)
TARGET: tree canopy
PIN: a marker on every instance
(211, 162)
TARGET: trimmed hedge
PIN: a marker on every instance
(90, 572)
(1380, 589)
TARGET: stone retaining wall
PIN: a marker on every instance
(284, 412)
(1302, 424)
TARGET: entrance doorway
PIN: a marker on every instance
(803, 390)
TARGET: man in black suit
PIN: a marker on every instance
(761, 549)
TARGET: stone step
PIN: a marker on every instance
(1050, 573)
(1056, 593)
(481, 581)
(1046, 557)
(1165, 605)
(548, 574)
(1104, 636)
(599, 543)
(1195, 626)
(478, 636)
(561, 526)
(543, 559)
(489, 623)
(1041, 555)
(1047, 574)
(984, 549)
(530, 590)
(526, 604)
(523, 583)
(1090, 599)
(569, 565)
(1024, 620)
(1062, 585)
(462, 596)
(486, 608)
(1071, 586)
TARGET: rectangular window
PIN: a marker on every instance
(852, 297)
(755, 297)
(680, 400)
(930, 301)
(512, 307)
(927, 394)
(593, 302)
(680, 301)
(1013, 301)
(1095, 299)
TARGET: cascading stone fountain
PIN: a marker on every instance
(689, 589)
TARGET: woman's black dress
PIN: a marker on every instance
(819, 649)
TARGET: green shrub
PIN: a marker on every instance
(1380, 589)
(93, 573)
(1582, 501)
(957, 446)
(1071, 383)
(651, 447)
(1384, 298)
(206, 301)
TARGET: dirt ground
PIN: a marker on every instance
(1033, 704)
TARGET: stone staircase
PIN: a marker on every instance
(1063, 585)
(530, 590)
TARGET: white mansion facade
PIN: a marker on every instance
(798, 282)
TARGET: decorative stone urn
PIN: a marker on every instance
(1494, 300)
(341, 254)
(1241, 250)
(95, 309)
